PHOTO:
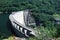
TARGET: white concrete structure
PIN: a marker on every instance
(20, 21)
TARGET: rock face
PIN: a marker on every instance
(21, 22)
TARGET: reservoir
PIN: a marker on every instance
(4, 25)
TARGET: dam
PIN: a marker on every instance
(22, 22)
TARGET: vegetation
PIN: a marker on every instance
(42, 6)
(43, 11)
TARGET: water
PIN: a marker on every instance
(4, 25)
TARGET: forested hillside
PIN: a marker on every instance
(42, 6)
(42, 10)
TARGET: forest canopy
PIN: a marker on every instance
(41, 6)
